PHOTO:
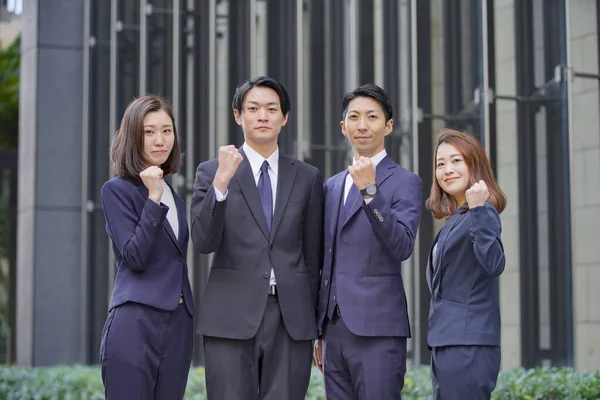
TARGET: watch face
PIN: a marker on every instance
(371, 190)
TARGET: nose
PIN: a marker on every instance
(262, 114)
(159, 141)
(362, 124)
(448, 169)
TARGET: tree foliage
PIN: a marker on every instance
(9, 95)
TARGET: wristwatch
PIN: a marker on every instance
(371, 190)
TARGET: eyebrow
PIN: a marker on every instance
(451, 155)
(368, 112)
(152, 126)
(273, 103)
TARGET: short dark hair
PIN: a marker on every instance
(261, 81)
(126, 152)
(373, 91)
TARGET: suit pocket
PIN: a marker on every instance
(223, 267)
(105, 332)
(297, 201)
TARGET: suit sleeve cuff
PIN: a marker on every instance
(220, 196)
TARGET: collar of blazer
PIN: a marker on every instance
(286, 177)
(180, 216)
(440, 239)
(385, 169)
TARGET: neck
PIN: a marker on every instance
(460, 199)
(371, 154)
(264, 149)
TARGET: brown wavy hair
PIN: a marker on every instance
(440, 203)
(126, 152)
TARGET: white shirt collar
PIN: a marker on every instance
(378, 157)
(256, 160)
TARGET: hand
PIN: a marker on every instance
(318, 354)
(362, 172)
(477, 195)
(152, 179)
(229, 161)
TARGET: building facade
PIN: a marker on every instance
(520, 75)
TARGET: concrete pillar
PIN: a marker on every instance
(50, 302)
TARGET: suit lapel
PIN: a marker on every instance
(441, 242)
(383, 171)
(431, 272)
(337, 191)
(246, 182)
(166, 225)
(286, 177)
(182, 219)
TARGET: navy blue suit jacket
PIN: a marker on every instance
(463, 280)
(374, 239)
(151, 261)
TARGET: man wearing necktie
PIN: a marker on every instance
(260, 212)
(372, 212)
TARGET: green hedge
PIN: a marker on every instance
(84, 383)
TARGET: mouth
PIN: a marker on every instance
(263, 128)
(159, 152)
(362, 138)
(448, 180)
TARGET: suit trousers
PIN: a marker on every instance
(146, 353)
(464, 372)
(361, 367)
(269, 366)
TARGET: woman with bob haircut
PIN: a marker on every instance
(465, 261)
(146, 346)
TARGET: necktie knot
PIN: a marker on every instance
(265, 167)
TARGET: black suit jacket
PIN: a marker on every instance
(244, 251)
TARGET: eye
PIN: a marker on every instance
(148, 132)
(168, 131)
(353, 117)
(272, 109)
(440, 164)
(252, 108)
(372, 116)
(456, 160)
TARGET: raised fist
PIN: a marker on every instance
(477, 195)
(229, 161)
(152, 179)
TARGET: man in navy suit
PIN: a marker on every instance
(372, 212)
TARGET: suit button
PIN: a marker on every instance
(154, 223)
(180, 257)
(266, 275)
(326, 282)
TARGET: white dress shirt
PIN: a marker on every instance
(168, 200)
(349, 182)
(256, 161)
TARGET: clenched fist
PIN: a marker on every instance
(229, 161)
(362, 172)
(152, 179)
(477, 195)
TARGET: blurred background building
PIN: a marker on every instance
(521, 75)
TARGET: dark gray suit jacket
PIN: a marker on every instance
(244, 252)
(463, 280)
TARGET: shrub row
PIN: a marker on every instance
(84, 383)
